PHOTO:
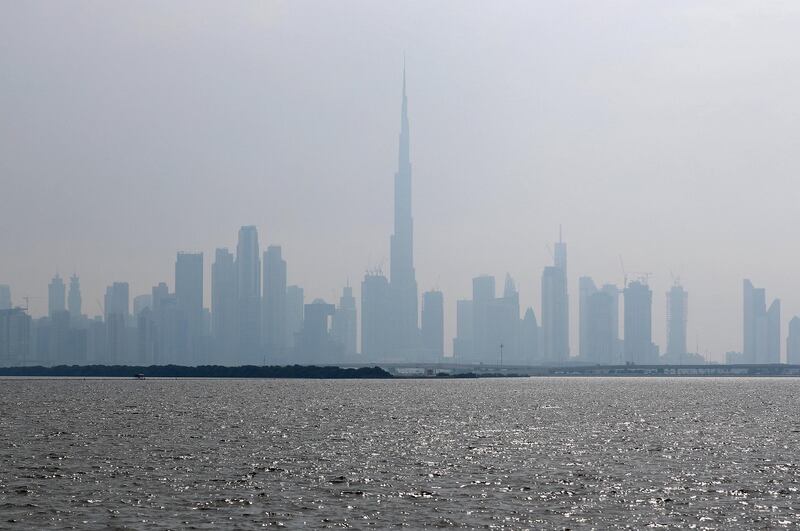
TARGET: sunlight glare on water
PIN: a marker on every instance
(529, 452)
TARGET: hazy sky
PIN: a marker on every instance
(665, 132)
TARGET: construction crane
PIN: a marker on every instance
(27, 300)
(643, 277)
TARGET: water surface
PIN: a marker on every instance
(515, 453)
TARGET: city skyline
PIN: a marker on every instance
(254, 315)
(645, 146)
(255, 305)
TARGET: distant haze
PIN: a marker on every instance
(665, 132)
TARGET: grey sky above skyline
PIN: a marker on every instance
(663, 132)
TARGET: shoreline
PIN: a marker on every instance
(395, 371)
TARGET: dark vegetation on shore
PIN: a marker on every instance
(203, 371)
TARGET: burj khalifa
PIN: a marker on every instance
(402, 276)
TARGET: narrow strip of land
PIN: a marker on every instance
(203, 371)
(394, 370)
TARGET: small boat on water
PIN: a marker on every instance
(139, 376)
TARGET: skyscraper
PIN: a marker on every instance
(56, 296)
(530, 338)
(167, 325)
(560, 253)
(483, 288)
(484, 347)
(761, 327)
(274, 330)
(613, 292)
(774, 332)
(74, 300)
(147, 337)
(141, 303)
(117, 300)
(248, 294)
(189, 300)
(402, 277)
(505, 325)
(639, 346)
(793, 342)
(376, 317)
(295, 303)
(489, 327)
(159, 294)
(117, 307)
(315, 343)
(677, 308)
(601, 333)
(463, 343)
(598, 321)
(754, 309)
(15, 335)
(555, 306)
(433, 323)
(5, 297)
(224, 306)
(344, 322)
(586, 288)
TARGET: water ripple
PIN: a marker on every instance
(520, 453)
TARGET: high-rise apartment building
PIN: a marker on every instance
(598, 322)
(555, 315)
(586, 288)
(555, 306)
(793, 342)
(117, 300)
(530, 339)
(316, 344)
(433, 323)
(463, 350)
(56, 296)
(761, 326)
(248, 295)
(224, 305)
(15, 335)
(344, 323)
(376, 318)
(295, 303)
(489, 329)
(189, 300)
(5, 297)
(639, 346)
(74, 299)
(274, 302)
(484, 347)
(677, 310)
(142, 303)
(117, 309)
